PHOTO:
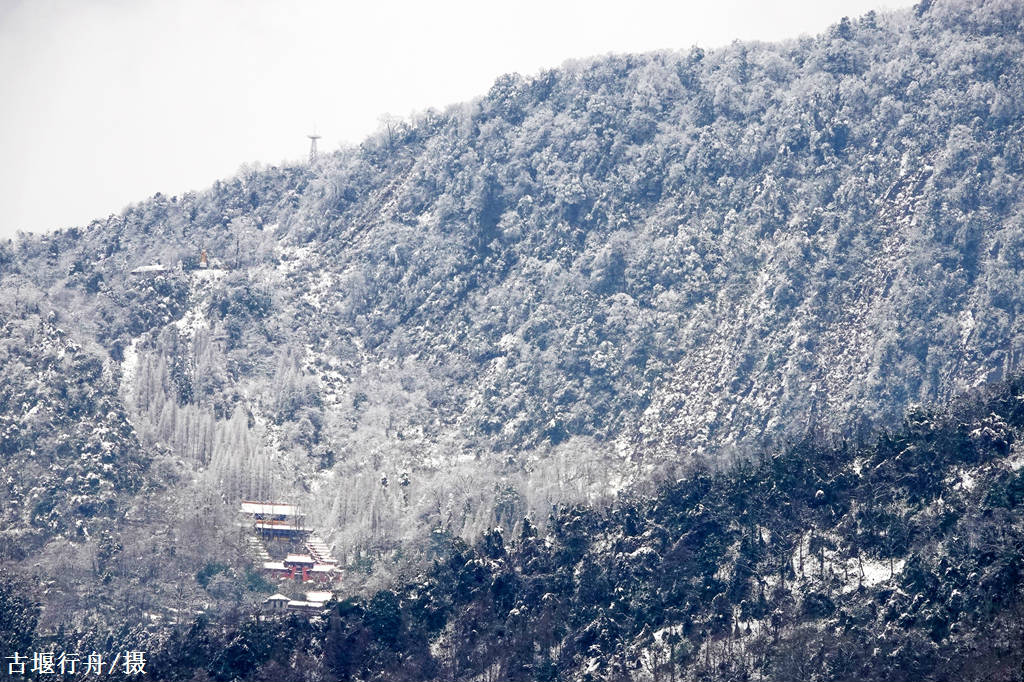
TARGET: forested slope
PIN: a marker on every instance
(764, 222)
(645, 258)
(67, 445)
(622, 268)
(675, 250)
(898, 558)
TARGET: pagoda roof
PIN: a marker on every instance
(279, 525)
(270, 508)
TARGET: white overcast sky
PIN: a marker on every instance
(104, 103)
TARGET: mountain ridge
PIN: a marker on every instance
(632, 267)
(674, 255)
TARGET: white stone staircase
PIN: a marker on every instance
(256, 548)
(319, 550)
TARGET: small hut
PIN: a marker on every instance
(153, 270)
(276, 603)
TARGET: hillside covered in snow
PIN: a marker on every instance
(624, 270)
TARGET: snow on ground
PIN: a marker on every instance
(325, 368)
(1016, 461)
(291, 257)
(617, 482)
(130, 364)
(208, 274)
(318, 288)
(269, 433)
(659, 635)
(802, 557)
(876, 572)
(967, 481)
(744, 628)
(192, 321)
(194, 318)
(967, 325)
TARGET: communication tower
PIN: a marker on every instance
(312, 146)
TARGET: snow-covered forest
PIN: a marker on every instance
(547, 351)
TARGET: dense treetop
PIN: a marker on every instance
(673, 249)
(626, 266)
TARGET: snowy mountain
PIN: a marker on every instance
(617, 272)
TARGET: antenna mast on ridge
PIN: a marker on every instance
(312, 147)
